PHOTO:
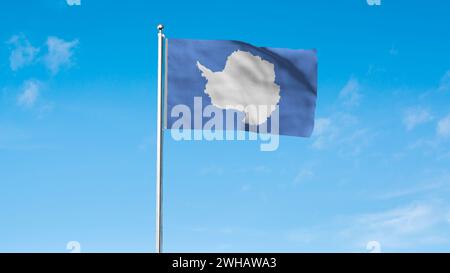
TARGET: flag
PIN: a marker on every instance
(237, 77)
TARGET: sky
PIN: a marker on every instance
(78, 131)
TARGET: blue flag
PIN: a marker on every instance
(257, 84)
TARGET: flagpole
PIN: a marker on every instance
(159, 144)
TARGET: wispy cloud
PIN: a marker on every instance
(350, 93)
(437, 184)
(410, 191)
(341, 131)
(443, 127)
(436, 143)
(254, 169)
(212, 170)
(304, 174)
(415, 224)
(324, 132)
(22, 53)
(412, 117)
(444, 85)
(29, 94)
(302, 236)
(356, 142)
(60, 53)
(403, 220)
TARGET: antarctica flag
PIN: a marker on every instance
(259, 87)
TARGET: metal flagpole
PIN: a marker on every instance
(159, 144)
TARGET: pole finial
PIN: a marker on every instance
(160, 27)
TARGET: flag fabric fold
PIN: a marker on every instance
(238, 77)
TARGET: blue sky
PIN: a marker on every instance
(77, 131)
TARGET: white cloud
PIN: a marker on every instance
(321, 126)
(302, 236)
(73, 2)
(403, 220)
(324, 132)
(341, 129)
(443, 127)
(350, 94)
(445, 82)
(354, 144)
(413, 225)
(258, 169)
(413, 117)
(304, 175)
(29, 95)
(22, 54)
(436, 184)
(59, 53)
(411, 190)
(212, 170)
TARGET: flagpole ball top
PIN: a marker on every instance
(160, 27)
